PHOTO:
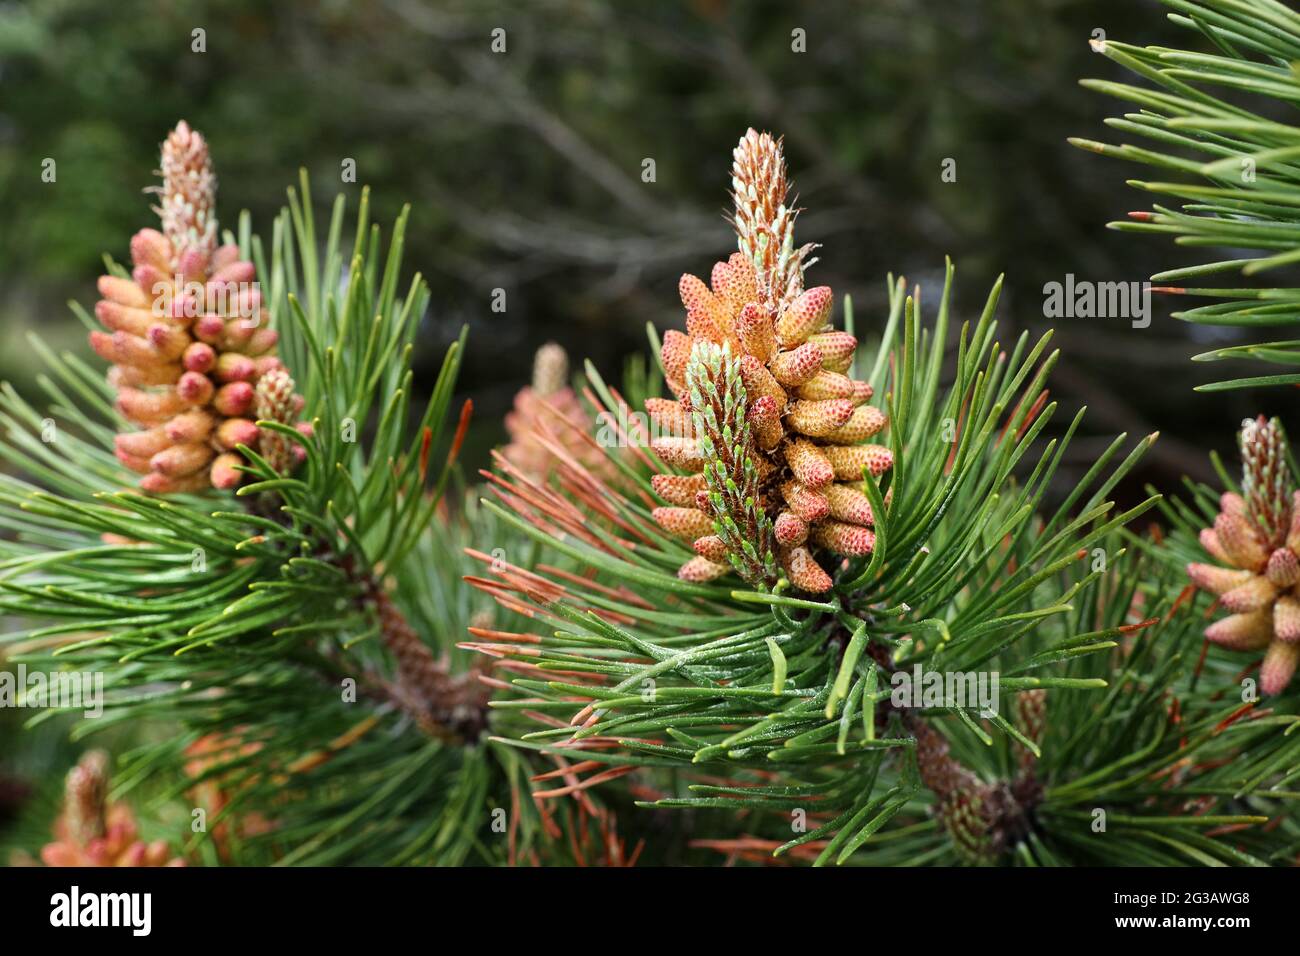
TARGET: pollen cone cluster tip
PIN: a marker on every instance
(770, 351)
(187, 196)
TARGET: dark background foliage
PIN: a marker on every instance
(524, 169)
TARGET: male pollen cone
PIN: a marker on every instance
(548, 423)
(1257, 534)
(808, 419)
(187, 338)
(92, 831)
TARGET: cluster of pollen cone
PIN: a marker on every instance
(1257, 535)
(776, 477)
(193, 360)
(92, 831)
(548, 423)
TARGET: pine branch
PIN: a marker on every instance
(1210, 123)
(452, 706)
(253, 620)
(778, 693)
(1235, 550)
